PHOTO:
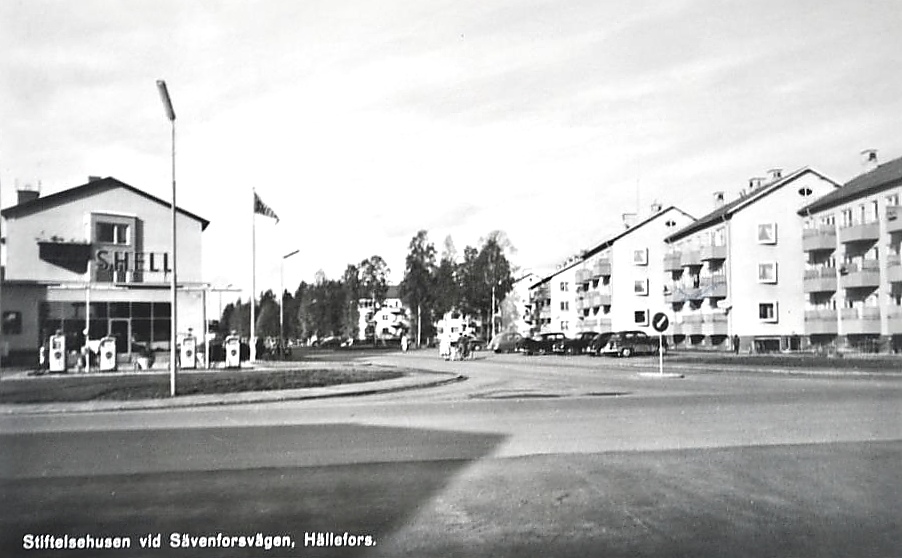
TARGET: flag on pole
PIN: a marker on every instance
(263, 209)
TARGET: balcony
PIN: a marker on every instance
(866, 232)
(894, 320)
(820, 280)
(601, 268)
(678, 295)
(601, 299)
(690, 258)
(861, 275)
(714, 324)
(894, 268)
(820, 322)
(714, 286)
(695, 294)
(583, 276)
(823, 238)
(893, 219)
(691, 324)
(672, 262)
(604, 324)
(708, 253)
(580, 302)
(865, 320)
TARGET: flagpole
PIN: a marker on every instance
(253, 340)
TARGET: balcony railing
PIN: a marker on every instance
(713, 253)
(894, 268)
(893, 218)
(865, 320)
(714, 286)
(602, 268)
(863, 275)
(822, 238)
(820, 280)
(583, 275)
(894, 320)
(714, 323)
(690, 258)
(865, 232)
(820, 322)
(672, 262)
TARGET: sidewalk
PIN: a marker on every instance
(412, 380)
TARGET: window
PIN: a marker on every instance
(847, 218)
(565, 326)
(767, 233)
(112, 233)
(767, 312)
(640, 317)
(640, 287)
(767, 272)
(565, 305)
(565, 286)
(640, 257)
(12, 323)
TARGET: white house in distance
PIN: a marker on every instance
(97, 257)
(737, 271)
(388, 321)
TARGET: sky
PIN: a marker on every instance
(361, 122)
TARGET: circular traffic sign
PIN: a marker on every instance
(660, 322)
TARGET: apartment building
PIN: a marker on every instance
(853, 274)
(616, 285)
(516, 308)
(735, 272)
(387, 321)
(95, 260)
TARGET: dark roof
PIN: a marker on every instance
(725, 212)
(885, 176)
(92, 187)
(607, 243)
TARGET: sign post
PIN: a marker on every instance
(660, 322)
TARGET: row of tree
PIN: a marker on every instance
(473, 285)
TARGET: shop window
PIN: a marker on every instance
(12, 323)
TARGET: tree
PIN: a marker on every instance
(445, 281)
(496, 273)
(373, 277)
(417, 287)
(268, 316)
(350, 322)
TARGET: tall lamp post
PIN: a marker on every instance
(282, 300)
(173, 321)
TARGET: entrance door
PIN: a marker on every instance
(119, 328)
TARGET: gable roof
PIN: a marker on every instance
(885, 176)
(609, 242)
(93, 187)
(725, 212)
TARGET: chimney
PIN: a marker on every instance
(775, 174)
(28, 193)
(868, 160)
(656, 207)
(629, 219)
(755, 182)
(94, 178)
(718, 200)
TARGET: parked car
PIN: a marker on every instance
(575, 346)
(598, 342)
(542, 343)
(628, 343)
(506, 342)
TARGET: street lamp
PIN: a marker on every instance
(173, 320)
(282, 300)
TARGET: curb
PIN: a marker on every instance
(240, 398)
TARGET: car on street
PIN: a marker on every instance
(629, 343)
(505, 342)
(576, 345)
(542, 343)
(598, 342)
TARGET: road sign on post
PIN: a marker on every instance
(660, 323)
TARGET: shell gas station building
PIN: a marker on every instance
(96, 258)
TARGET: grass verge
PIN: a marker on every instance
(156, 386)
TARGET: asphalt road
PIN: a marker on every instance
(536, 456)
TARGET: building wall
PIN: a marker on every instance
(562, 289)
(747, 290)
(71, 221)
